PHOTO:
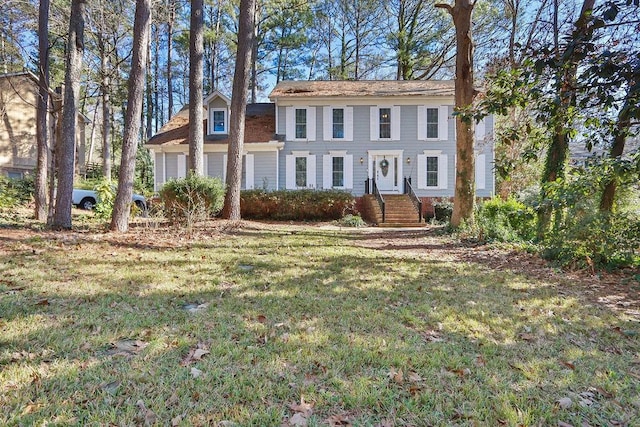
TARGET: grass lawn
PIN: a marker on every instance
(269, 325)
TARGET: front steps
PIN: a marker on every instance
(399, 211)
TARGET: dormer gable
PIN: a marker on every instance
(217, 105)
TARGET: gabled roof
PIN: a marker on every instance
(259, 126)
(217, 94)
(362, 88)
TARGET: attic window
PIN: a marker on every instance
(218, 120)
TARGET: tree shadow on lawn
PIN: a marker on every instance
(472, 345)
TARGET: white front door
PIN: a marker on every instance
(386, 172)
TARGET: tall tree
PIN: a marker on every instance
(42, 112)
(171, 18)
(196, 52)
(561, 117)
(464, 196)
(141, 29)
(67, 151)
(239, 97)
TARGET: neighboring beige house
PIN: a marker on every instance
(18, 145)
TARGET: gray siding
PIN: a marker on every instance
(409, 144)
(159, 171)
(265, 170)
(214, 164)
(171, 161)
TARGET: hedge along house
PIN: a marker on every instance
(391, 143)
(170, 146)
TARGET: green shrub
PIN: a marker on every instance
(106, 198)
(191, 199)
(595, 239)
(506, 220)
(443, 209)
(15, 192)
(297, 205)
(350, 220)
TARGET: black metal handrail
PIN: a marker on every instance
(372, 188)
(408, 190)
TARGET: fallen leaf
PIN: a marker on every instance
(526, 336)
(298, 419)
(568, 365)
(303, 407)
(480, 361)
(338, 420)
(149, 416)
(43, 302)
(127, 348)
(396, 376)
(563, 424)
(564, 402)
(432, 335)
(261, 318)
(414, 377)
(195, 354)
(172, 400)
(195, 372)
(30, 408)
(175, 421)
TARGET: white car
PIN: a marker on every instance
(87, 199)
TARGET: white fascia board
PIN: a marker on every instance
(377, 100)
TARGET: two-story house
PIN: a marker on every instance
(355, 136)
(18, 144)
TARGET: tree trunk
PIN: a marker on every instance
(42, 112)
(141, 29)
(106, 109)
(622, 130)
(238, 107)
(464, 92)
(196, 53)
(172, 17)
(557, 153)
(73, 75)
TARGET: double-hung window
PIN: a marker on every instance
(432, 123)
(301, 171)
(337, 172)
(338, 123)
(301, 123)
(385, 123)
(432, 171)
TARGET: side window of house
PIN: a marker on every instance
(338, 171)
(301, 123)
(301, 171)
(385, 123)
(432, 123)
(338, 123)
(218, 121)
(432, 171)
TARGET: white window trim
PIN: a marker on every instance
(327, 170)
(226, 121)
(291, 123)
(374, 122)
(443, 170)
(290, 170)
(480, 169)
(327, 123)
(443, 122)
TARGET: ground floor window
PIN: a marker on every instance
(338, 171)
(432, 171)
(301, 171)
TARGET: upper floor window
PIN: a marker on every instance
(385, 123)
(432, 123)
(301, 123)
(338, 123)
(218, 120)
